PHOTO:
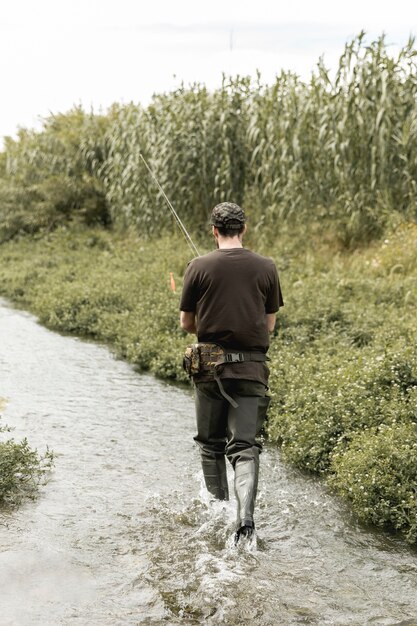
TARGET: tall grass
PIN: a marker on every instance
(50, 177)
(341, 148)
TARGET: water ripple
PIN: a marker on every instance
(124, 532)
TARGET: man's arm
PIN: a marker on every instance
(187, 321)
(270, 321)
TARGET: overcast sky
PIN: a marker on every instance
(57, 53)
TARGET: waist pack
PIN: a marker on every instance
(206, 358)
(203, 358)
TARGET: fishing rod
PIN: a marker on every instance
(173, 211)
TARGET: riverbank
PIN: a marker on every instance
(343, 363)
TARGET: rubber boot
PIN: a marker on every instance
(215, 476)
(246, 486)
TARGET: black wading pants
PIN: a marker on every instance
(223, 430)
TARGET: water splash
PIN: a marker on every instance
(124, 533)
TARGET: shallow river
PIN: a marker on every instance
(123, 532)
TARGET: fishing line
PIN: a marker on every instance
(173, 211)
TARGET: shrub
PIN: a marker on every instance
(22, 469)
(50, 177)
(378, 474)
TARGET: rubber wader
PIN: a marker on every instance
(226, 430)
(215, 476)
(246, 486)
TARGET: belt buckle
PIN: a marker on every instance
(234, 357)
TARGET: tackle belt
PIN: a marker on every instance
(206, 358)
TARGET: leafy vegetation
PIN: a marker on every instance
(327, 171)
(340, 148)
(49, 178)
(343, 362)
(22, 469)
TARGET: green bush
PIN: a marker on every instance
(326, 401)
(22, 469)
(378, 474)
(50, 177)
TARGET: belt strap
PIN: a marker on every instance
(237, 357)
(223, 391)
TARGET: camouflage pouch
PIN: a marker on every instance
(191, 360)
(202, 358)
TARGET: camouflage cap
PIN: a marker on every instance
(228, 215)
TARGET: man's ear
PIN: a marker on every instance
(215, 231)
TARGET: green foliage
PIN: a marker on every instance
(327, 401)
(322, 167)
(344, 376)
(116, 290)
(52, 177)
(22, 469)
(378, 474)
(194, 142)
(340, 149)
(343, 361)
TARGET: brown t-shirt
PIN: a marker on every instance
(230, 291)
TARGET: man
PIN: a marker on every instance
(230, 298)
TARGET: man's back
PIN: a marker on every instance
(231, 290)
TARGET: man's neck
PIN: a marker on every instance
(227, 243)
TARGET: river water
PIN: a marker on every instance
(123, 533)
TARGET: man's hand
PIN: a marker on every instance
(187, 321)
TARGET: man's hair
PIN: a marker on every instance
(230, 232)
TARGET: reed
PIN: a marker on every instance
(340, 149)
